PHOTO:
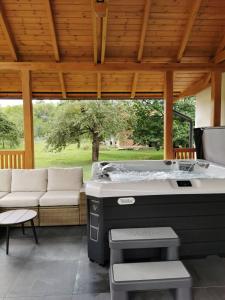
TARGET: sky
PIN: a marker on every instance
(13, 102)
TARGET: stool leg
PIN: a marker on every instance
(34, 231)
(184, 294)
(7, 239)
(23, 230)
(172, 253)
(116, 256)
(115, 295)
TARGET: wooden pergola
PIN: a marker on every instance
(109, 49)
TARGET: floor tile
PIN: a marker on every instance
(10, 269)
(91, 278)
(57, 249)
(45, 278)
(211, 293)
(100, 296)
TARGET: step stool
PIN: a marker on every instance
(145, 276)
(137, 238)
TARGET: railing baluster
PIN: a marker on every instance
(12, 159)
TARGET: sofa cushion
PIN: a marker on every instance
(57, 198)
(2, 194)
(29, 180)
(5, 180)
(21, 199)
(65, 179)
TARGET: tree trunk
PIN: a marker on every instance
(95, 146)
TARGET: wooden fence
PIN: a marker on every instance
(184, 153)
(12, 159)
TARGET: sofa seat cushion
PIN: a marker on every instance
(29, 180)
(65, 179)
(2, 194)
(5, 180)
(21, 199)
(57, 198)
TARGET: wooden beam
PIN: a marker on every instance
(94, 32)
(134, 86)
(124, 67)
(144, 29)
(216, 83)
(62, 83)
(28, 119)
(52, 29)
(220, 57)
(99, 85)
(196, 86)
(187, 32)
(168, 116)
(221, 45)
(104, 33)
(8, 34)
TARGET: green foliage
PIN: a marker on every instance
(96, 120)
(9, 135)
(147, 122)
(15, 115)
(43, 115)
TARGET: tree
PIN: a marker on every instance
(97, 120)
(8, 132)
(148, 122)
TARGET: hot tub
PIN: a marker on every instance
(187, 195)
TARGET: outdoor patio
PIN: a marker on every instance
(58, 268)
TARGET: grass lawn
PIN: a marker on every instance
(72, 156)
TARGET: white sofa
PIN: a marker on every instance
(57, 194)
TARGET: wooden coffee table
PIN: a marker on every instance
(15, 217)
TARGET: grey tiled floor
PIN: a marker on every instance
(58, 269)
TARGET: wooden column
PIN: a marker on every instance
(216, 82)
(168, 116)
(28, 119)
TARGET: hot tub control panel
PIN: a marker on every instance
(184, 183)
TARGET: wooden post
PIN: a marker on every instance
(216, 83)
(168, 116)
(28, 119)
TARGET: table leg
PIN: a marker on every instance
(34, 231)
(23, 229)
(7, 239)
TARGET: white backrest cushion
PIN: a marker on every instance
(5, 180)
(29, 180)
(65, 179)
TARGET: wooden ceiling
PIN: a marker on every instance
(95, 49)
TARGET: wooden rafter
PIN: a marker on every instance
(220, 57)
(104, 33)
(134, 85)
(52, 29)
(187, 31)
(8, 34)
(197, 86)
(94, 32)
(99, 86)
(62, 83)
(221, 45)
(55, 45)
(144, 29)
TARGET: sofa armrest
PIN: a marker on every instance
(83, 206)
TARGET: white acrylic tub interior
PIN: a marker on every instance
(126, 178)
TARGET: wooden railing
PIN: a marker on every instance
(184, 153)
(12, 159)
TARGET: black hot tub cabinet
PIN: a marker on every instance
(194, 208)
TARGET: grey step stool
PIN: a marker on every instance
(137, 238)
(150, 276)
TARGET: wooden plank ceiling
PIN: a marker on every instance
(141, 31)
